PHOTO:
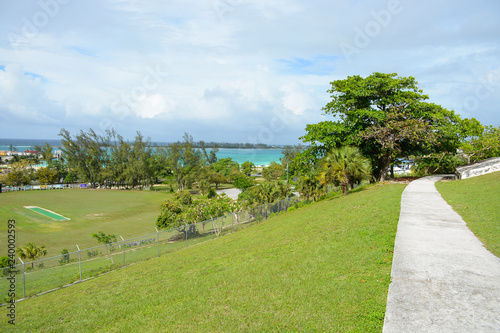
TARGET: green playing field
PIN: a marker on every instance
(47, 213)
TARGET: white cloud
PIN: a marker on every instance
(22, 97)
(295, 99)
(153, 105)
(233, 64)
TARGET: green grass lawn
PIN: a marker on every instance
(126, 213)
(477, 200)
(322, 268)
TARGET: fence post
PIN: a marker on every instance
(24, 279)
(186, 231)
(157, 242)
(232, 220)
(79, 261)
(213, 230)
(123, 250)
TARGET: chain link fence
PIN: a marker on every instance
(36, 277)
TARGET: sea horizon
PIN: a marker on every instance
(258, 156)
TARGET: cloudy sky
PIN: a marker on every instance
(232, 70)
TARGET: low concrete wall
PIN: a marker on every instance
(479, 168)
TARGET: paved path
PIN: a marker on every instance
(443, 279)
(231, 192)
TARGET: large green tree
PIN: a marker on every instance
(226, 166)
(273, 172)
(290, 159)
(21, 173)
(210, 157)
(87, 154)
(242, 181)
(140, 170)
(185, 162)
(47, 175)
(132, 164)
(484, 144)
(47, 154)
(387, 117)
(247, 167)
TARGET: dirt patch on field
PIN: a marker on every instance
(95, 216)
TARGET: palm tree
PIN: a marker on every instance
(264, 193)
(345, 165)
(31, 252)
(310, 186)
(282, 191)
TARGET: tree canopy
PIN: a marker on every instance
(185, 161)
(273, 172)
(182, 209)
(31, 252)
(265, 193)
(345, 166)
(86, 153)
(484, 144)
(108, 160)
(387, 117)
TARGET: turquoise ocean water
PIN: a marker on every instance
(256, 156)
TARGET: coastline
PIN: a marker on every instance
(260, 157)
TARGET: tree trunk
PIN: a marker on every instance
(386, 163)
(344, 189)
(111, 255)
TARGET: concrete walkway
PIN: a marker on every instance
(443, 279)
(230, 192)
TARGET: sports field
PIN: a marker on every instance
(321, 268)
(125, 213)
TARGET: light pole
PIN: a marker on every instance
(287, 174)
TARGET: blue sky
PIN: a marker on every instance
(232, 70)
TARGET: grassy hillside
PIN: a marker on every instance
(126, 213)
(324, 267)
(477, 200)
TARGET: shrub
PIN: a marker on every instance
(211, 193)
(183, 197)
(65, 258)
